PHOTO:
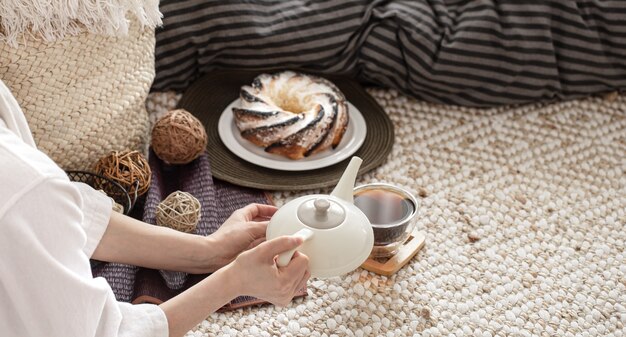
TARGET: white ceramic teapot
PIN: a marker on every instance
(338, 236)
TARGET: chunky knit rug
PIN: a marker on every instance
(524, 210)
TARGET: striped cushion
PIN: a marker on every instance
(476, 53)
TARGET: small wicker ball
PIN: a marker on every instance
(129, 168)
(178, 137)
(179, 211)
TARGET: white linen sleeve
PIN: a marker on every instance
(96, 209)
(13, 117)
(47, 236)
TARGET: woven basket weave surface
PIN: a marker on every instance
(83, 96)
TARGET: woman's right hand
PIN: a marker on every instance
(254, 272)
(258, 274)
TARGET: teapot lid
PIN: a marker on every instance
(321, 213)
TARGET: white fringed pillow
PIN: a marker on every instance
(81, 76)
(54, 19)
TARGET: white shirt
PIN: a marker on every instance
(49, 227)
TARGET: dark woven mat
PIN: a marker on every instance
(208, 97)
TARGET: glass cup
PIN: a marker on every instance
(392, 212)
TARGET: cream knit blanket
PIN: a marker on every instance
(54, 19)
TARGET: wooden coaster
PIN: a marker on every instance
(389, 266)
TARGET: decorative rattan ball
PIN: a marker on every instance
(178, 137)
(180, 211)
(129, 168)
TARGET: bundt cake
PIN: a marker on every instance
(292, 114)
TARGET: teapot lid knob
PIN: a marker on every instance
(321, 213)
(321, 205)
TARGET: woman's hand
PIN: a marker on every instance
(254, 273)
(243, 230)
(258, 275)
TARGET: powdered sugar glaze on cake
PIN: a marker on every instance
(292, 114)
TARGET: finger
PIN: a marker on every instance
(247, 212)
(258, 229)
(256, 243)
(264, 212)
(253, 211)
(279, 245)
(262, 218)
(298, 265)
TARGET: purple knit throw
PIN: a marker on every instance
(218, 200)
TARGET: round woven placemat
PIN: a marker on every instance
(207, 98)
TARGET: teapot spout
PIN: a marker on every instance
(345, 186)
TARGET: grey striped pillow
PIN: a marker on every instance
(475, 53)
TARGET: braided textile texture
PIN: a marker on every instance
(524, 210)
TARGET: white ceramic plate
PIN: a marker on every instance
(352, 140)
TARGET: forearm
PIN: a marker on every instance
(130, 241)
(186, 310)
(253, 273)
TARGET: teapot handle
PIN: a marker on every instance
(284, 258)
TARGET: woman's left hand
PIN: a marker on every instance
(243, 230)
